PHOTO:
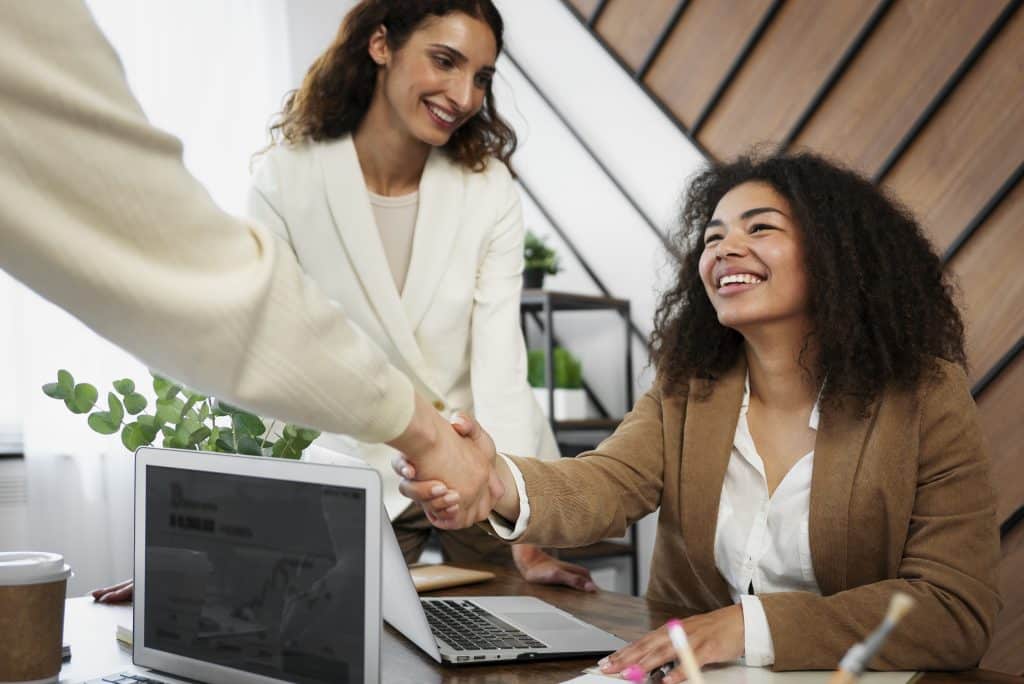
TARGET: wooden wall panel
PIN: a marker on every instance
(999, 407)
(988, 270)
(972, 145)
(1005, 653)
(584, 7)
(781, 76)
(631, 27)
(698, 53)
(896, 73)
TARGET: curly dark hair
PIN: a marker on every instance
(882, 309)
(336, 91)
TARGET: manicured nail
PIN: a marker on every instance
(590, 586)
(603, 662)
(451, 498)
(407, 472)
(438, 490)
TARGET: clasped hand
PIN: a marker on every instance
(456, 482)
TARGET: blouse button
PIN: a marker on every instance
(439, 405)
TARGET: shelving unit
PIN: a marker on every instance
(576, 436)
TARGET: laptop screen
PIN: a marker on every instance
(257, 574)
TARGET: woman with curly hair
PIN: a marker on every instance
(810, 440)
(388, 177)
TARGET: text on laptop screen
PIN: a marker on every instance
(256, 574)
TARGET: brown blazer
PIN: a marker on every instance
(900, 500)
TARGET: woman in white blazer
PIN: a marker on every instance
(387, 177)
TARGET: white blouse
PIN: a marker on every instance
(761, 542)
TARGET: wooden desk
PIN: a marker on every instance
(89, 628)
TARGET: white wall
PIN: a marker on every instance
(649, 157)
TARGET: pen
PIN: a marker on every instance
(857, 658)
(683, 652)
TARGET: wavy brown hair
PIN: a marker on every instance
(336, 91)
(881, 307)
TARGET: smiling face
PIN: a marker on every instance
(439, 78)
(752, 265)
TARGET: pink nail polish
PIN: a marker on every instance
(634, 673)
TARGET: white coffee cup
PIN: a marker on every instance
(33, 585)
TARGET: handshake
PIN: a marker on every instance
(453, 472)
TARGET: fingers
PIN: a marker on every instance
(649, 652)
(575, 580)
(433, 496)
(119, 593)
(465, 425)
(402, 467)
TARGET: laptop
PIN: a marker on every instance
(254, 570)
(479, 629)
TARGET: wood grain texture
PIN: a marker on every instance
(698, 52)
(987, 269)
(584, 7)
(999, 409)
(1005, 653)
(631, 27)
(895, 75)
(971, 146)
(626, 616)
(793, 58)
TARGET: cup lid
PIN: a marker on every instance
(32, 567)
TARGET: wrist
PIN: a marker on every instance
(525, 555)
(421, 434)
(508, 505)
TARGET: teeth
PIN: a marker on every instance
(444, 116)
(745, 278)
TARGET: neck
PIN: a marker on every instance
(391, 159)
(777, 378)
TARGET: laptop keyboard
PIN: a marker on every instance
(468, 627)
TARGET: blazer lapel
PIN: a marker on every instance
(353, 218)
(837, 452)
(437, 224)
(707, 446)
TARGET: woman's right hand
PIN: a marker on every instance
(445, 508)
(121, 592)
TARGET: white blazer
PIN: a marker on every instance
(454, 330)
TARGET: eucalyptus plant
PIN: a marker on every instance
(182, 418)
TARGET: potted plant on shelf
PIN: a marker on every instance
(540, 260)
(183, 418)
(569, 398)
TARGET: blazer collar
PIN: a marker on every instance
(350, 208)
(708, 433)
(838, 448)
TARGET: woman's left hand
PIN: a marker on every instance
(541, 568)
(715, 637)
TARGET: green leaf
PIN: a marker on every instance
(226, 409)
(169, 410)
(135, 403)
(124, 387)
(291, 431)
(285, 448)
(116, 409)
(103, 423)
(308, 435)
(248, 445)
(189, 394)
(204, 412)
(149, 426)
(54, 390)
(189, 403)
(65, 380)
(248, 424)
(82, 399)
(164, 388)
(134, 436)
(199, 435)
(167, 431)
(226, 442)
